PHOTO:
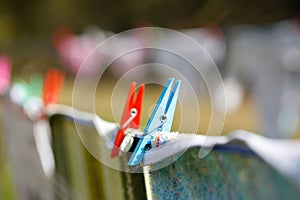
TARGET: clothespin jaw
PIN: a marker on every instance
(131, 115)
(53, 84)
(161, 120)
(5, 73)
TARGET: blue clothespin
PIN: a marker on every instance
(161, 120)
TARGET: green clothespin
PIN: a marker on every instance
(33, 105)
(35, 85)
(29, 96)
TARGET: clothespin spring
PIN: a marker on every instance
(133, 114)
(163, 120)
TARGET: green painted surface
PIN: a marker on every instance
(82, 175)
(7, 190)
(220, 175)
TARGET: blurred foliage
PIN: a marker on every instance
(26, 26)
(41, 17)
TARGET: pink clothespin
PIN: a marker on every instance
(5, 73)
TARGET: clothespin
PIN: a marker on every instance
(53, 84)
(161, 120)
(35, 86)
(28, 95)
(5, 73)
(33, 104)
(19, 92)
(131, 115)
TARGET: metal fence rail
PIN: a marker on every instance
(224, 174)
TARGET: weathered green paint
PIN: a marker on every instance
(100, 181)
(220, 175)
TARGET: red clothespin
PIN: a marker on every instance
(53, 84)
(131, 115)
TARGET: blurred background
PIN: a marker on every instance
(254, 44)
(35, 36)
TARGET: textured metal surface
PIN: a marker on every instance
(220, 175)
